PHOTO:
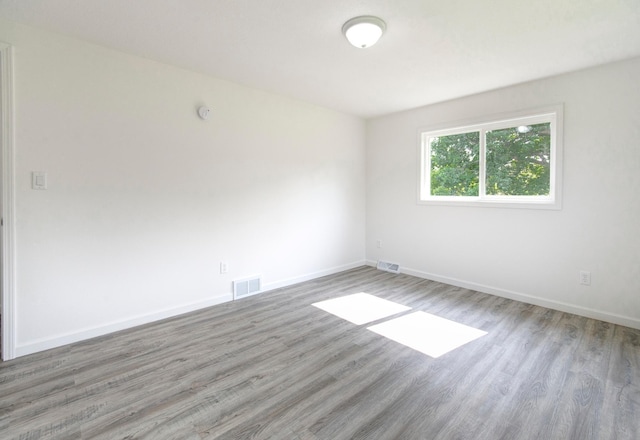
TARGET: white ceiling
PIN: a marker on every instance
(432, 50)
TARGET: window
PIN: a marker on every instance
(514, 161)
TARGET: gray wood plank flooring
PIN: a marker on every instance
(274, 367)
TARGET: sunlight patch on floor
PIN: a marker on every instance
(426, 333)
(360, 308)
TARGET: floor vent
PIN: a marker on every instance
(388, 267)
(247, 287)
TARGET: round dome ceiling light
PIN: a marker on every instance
(364, 31)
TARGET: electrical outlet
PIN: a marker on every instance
(224, 267)
(585, 278)
(379, 243)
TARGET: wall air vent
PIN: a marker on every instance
(247, 287)
(388, 267)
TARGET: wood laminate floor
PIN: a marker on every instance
(274, 367)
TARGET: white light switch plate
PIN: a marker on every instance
(38, 180)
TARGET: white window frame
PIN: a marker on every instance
(552, 115)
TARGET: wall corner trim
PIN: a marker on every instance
(7, 204)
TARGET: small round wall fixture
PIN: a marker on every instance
(364, 31)
(203, 112)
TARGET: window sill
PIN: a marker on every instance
(520, 203)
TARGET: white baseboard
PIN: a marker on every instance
(312, 276)
(60, 340)
(529, 299)
(70, 338)
(88, 333)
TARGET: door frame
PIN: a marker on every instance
(7, 202)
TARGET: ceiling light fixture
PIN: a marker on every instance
(364, 31)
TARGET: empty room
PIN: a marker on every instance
(320, 220)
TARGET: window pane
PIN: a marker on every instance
(455, 164)
(518, 160)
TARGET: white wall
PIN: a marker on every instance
(145, 199)
(531, 255)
